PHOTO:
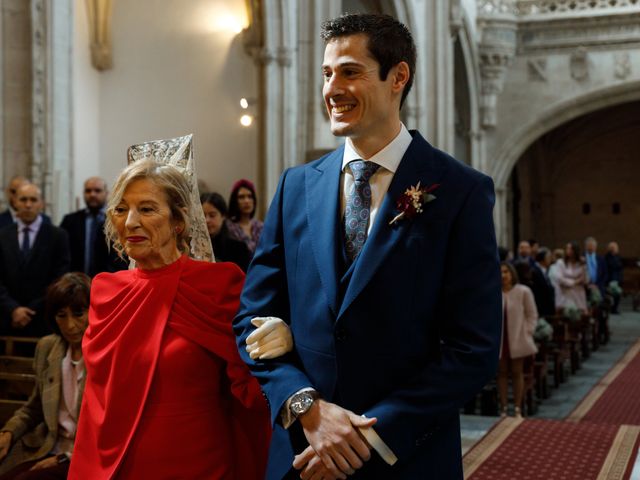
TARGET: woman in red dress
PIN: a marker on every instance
(167, 394)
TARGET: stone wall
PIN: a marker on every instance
(15, 82)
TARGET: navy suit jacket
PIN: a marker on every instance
(23, 281)
(105, 259)
(602, 274)
(411, 337)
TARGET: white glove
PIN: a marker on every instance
(271, 339)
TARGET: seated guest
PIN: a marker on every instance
(89, 251)
(571, 277)
(543, 290)
(33, 253)
(519, 322)
(167, 393)
(242, 209)
(39, 437)
(8, 217)
(225, 248)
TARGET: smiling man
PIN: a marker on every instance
(381, 257)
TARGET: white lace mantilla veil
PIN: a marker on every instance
(178, 152)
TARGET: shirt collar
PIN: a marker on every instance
(389, 157)
(34, 226)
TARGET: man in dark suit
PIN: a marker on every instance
(596, 266)
(386, 270)
(89, 251)
(33, 253)
(8, 216)
(542, 288)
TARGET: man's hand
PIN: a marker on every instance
(21, 317)
(5, 443)
(46, 463)
(331, 433)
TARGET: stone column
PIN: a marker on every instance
(51, 167)
(500, 216)
(431, 104)
(15, 92)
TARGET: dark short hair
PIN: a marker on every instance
(390, 42)
(542, 253)
(512, 271)
(216, 200)
(70, 290)
(234, 210)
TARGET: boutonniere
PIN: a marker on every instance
(413, 200)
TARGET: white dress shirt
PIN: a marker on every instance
(388, 158)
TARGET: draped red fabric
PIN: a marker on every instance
(129, 313)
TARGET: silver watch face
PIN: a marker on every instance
(301, 403)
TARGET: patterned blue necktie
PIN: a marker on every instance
(358, 208)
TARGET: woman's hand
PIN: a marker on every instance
(271, 339)
(5, 443)
(46, 463)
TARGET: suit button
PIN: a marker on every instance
(341, 334)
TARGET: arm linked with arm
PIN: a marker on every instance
(265, 294)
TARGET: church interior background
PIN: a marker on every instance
(542, 95)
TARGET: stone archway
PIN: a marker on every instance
(516, 144)
(580, 180)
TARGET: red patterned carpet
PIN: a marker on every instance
(598, 441)
(616, 398)
(551, 449)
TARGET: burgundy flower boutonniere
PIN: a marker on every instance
(413, 200)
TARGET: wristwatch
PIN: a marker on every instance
(302, 402)
(62, 458)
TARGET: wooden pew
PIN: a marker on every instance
(18, 346)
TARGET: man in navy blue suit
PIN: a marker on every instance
(381, 257)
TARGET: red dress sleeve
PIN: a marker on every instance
(208, 297)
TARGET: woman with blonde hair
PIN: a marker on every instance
(167, 394)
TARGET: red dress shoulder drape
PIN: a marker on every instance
(167, 394)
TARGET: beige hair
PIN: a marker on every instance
(168, 179)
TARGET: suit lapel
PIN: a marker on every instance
(11, 241)
(417, 165)
(323, 216)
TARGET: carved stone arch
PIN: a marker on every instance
(546, 120)
(556, 115)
